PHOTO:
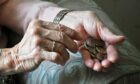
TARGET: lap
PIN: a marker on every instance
(77, 73)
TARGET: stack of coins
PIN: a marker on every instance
(96, 49)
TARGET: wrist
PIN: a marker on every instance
(48, 14)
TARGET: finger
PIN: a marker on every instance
(34, 24)
(112, 54)
(55, 47)
(86, 56)
(107, 36)
(59, 37)
(52, 56)
(59, 27)
(106, 63)
(97, 65)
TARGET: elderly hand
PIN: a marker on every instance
(86, 23)
(43, 41)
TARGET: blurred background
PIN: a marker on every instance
(126, 14)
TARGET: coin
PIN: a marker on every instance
(96, 49)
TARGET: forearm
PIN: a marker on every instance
(17, 14)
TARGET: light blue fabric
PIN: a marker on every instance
(75, 72)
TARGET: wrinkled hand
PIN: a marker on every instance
(88, 24)
(44, 41)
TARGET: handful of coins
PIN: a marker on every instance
(96, 48)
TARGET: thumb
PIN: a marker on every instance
(107, 36)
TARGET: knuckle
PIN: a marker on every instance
(34, 22)
(38, 41)
(38, 60)
(10, 63)
(61, 47)
(62, 36)
(35, 30)
(55, 58)
(58, 60)
(60, 27)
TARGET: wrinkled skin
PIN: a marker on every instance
(86, 23)
(38, 45)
